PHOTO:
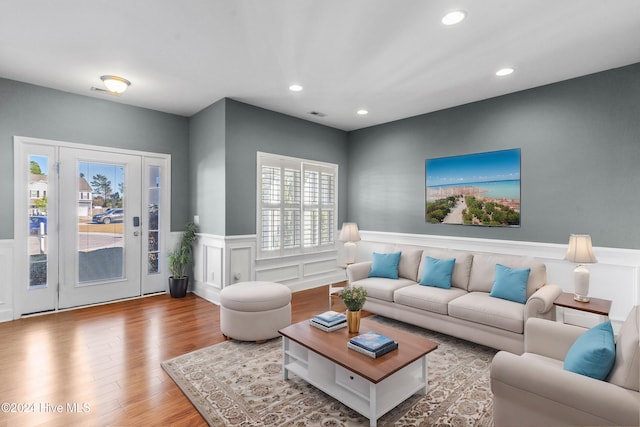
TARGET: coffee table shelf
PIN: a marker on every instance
(371, 387)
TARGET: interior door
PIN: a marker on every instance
(100, 226)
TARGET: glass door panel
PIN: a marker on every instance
(153, 231)
(100, 222)
(36, 240)
(154, 225)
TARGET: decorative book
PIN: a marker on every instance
(371, 341)
(330, 318)
(320, 326)
(374, 354)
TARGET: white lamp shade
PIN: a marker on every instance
(349, 232)
(580, 250)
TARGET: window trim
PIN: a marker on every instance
(301, 165)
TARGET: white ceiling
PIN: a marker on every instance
(392, 57)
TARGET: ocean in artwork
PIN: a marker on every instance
(509, 189)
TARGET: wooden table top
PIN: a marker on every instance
(595, 305)
(333, 346)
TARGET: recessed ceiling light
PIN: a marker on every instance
(454, 17)
(504, 71)
(295, 88)
(362, 112)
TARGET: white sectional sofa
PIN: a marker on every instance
(466, 310)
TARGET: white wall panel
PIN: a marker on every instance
(6, 285)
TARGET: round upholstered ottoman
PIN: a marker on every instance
(254, 311)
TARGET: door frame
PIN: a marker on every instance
(149, 283)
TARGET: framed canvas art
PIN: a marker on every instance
(474, 189)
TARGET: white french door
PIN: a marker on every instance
(100, 259)
(90, 226)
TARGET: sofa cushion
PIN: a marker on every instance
(479, 307)
(382, 288)
(385, 265)
(409, 263)
(593, 353)
(626, 370)
(427, 298)
(510, 283)
(437, 272)
(483, 271)
(461, 268)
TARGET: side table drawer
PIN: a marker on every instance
(351, 381)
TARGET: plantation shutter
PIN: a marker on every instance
(296, 205)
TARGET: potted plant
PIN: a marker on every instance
(179, 260)
(353, 298)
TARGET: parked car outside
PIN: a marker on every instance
(34, 223)
(109, 216)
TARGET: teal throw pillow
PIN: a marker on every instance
(510, 283)
(385, 265)
(593, 353)
(437, 272)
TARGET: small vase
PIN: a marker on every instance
(353, 321)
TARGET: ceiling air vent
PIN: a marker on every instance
(317, 114)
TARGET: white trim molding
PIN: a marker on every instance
(6, 287)
(221, 261)
(616, 275)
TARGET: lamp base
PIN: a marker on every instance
(580, 298)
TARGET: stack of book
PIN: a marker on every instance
(329, 321)
(372, 344)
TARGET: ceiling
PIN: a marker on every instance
(392, 58)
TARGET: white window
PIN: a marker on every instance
(296, 206)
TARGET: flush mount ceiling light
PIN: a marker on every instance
(295, 88)
(115, 84)
(504, 71)
(454, 17)
(362, 112)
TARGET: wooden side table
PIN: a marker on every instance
(596, 306)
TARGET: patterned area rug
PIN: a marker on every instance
(240, 384)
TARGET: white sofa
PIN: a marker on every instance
(466, 310)
(534, 389)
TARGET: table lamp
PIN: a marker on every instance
(349, 235)
(580, 251)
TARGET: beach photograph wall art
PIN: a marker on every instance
(474, 189)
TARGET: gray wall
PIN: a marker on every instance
(34, 111)
(207, 132)
(580, 142)
(251, 129)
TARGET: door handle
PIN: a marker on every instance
(136, 233)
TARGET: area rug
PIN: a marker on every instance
(240, 384)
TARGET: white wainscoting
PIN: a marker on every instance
(6, 285)
(616, 275)
(222, 261)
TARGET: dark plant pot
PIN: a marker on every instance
(178, 286)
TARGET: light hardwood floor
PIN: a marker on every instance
(105, 361)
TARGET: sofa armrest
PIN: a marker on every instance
(358, 271)
(540, 304)
(549, 338)
(527, 386)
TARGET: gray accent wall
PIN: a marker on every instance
(251, 129)
(207, 133)
(38, 112)
(580, 147)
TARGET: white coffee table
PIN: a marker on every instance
(371, 387)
